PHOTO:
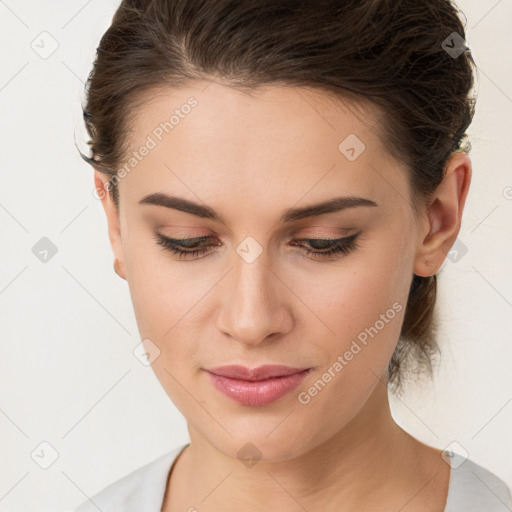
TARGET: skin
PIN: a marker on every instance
(250, 158)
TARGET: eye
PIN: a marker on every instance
(329, 248)
(325, 247)
(184, 248)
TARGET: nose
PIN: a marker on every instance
(254, 303)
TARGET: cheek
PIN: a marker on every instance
(363, 305)
(169, 301)
(160, 289)
(342, 299)
(363, 309)
(153, 301)
(166, 304)
(350, 295)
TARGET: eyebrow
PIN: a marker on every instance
(335, 204)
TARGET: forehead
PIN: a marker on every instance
(268, 110)
(291, 140)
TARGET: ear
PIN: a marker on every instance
(444, 215)
(103, 190)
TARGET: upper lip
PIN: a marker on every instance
(258, 373)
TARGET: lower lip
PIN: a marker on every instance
(257, 393)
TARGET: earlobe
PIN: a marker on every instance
(118, 270)
(101, 181)
(444, 214)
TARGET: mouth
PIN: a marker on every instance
(259, 386)
(255, 374)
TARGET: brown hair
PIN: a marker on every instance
(400, 55)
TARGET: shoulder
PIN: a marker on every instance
(142, 489)
(473, 488)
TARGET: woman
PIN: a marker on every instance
(282, 180)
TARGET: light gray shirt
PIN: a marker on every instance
(472, 488)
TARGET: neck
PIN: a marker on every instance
(369, 462)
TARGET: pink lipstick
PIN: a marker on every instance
(258, 386)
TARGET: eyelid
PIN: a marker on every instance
(326, 238)
(338, 248)
(328, 231)
(188, 239)
(204, 238)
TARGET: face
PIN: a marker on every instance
(265, 279)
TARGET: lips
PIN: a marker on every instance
(259, 373)
(259, 386)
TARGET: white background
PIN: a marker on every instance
(67, 372)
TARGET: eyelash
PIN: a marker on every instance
(340, 246)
